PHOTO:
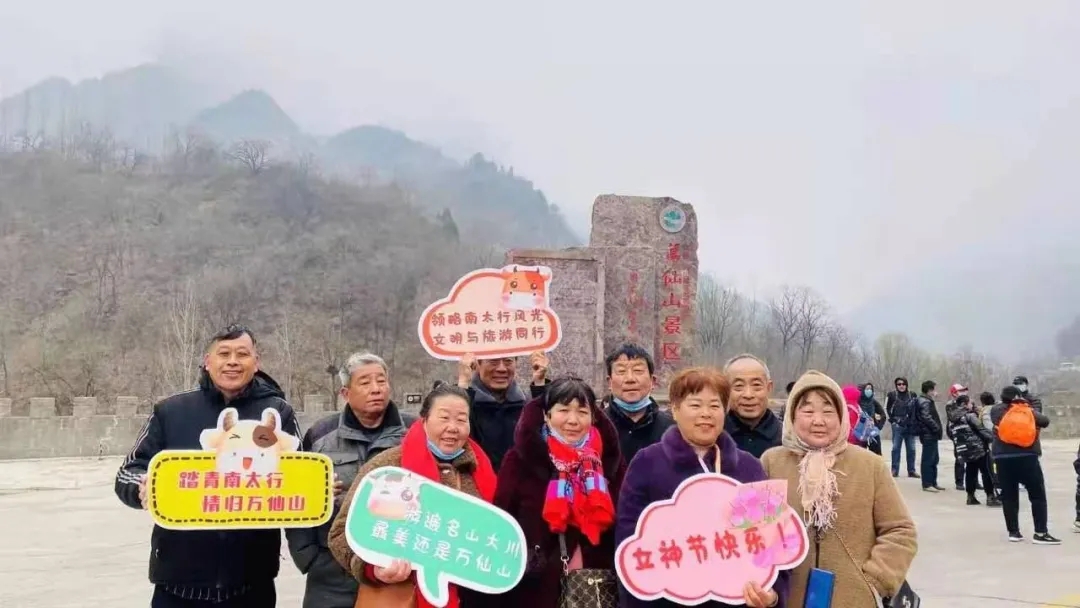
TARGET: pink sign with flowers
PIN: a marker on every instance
(710, 539)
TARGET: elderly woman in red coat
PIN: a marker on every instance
(562, 440)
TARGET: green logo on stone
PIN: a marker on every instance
(447, 535)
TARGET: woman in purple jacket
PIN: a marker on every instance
(696, 444)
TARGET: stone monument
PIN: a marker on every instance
(635, 282)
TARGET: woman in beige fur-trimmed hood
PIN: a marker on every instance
(847, 496)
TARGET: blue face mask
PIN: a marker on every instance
(578, 445)
(637, 406)
(869, 392)
(441, 455)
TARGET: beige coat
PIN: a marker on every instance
(873, 541)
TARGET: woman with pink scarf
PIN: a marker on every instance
(859, 526)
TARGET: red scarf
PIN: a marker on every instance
(416, 457)
(577, 494)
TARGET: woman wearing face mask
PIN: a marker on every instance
(858, 523)
(562, 441)
(869, 404)
(438, 447)
(697, 444)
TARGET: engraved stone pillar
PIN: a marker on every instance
(650, 245)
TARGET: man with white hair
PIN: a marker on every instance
(368, 424)
(750, 422)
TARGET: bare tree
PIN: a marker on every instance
(286, 347)
(839, 345)
(784, 311)
(812, 320)
(181, 342)
(251, 153)
(96, 147)
(718, 313)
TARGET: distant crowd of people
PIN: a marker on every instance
(995, 440)
(487, 437)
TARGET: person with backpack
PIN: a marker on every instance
(925, 421)
(1016, 451)
(872, 408)
(951, 412)
(863, 430)
(988, 400)
(971, 439)
(897, 405)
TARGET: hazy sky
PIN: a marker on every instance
(811, 137)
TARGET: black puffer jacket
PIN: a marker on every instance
(929, 420)
(968, 433)
(209, 559)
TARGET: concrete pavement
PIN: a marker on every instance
(67, 542)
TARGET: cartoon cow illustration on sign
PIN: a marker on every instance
(525, 287)
(394, 495)
(248, 446)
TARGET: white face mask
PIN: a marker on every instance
(521, 301)
(1021, 387)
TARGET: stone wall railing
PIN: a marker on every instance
(97, 427)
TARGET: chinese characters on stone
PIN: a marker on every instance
(482, 327)
(217, 502)
(673, 306)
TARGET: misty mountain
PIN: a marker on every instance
(138, 105)
(148, 105)
(249, 115)
(1007, 298)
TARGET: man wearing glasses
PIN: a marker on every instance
(899, 407)
(496, 400)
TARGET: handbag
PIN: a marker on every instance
(586, 587)
(401, 595)
(905, 597)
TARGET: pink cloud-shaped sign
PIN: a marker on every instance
(710, 539)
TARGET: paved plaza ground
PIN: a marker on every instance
(66, 541)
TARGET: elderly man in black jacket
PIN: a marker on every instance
(368, 424)
(750, 422)
(928, 422)
(635, 414)
(209, 568)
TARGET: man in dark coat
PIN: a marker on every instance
(209, 568)
(369, 424)
(635, 414)
(897, 405)
(750, 422)
(930, 431)
(496, 400)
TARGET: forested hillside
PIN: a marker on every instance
(116, 268)
(113, 275)
(149, 108)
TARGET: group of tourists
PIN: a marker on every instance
(486, 437)
(994, 439)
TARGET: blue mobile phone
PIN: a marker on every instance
(819, 589)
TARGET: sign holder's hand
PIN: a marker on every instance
(339, 486)
(538, 362)
(397, 572)
(144, 496)
(466, 369)
(756, 597)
